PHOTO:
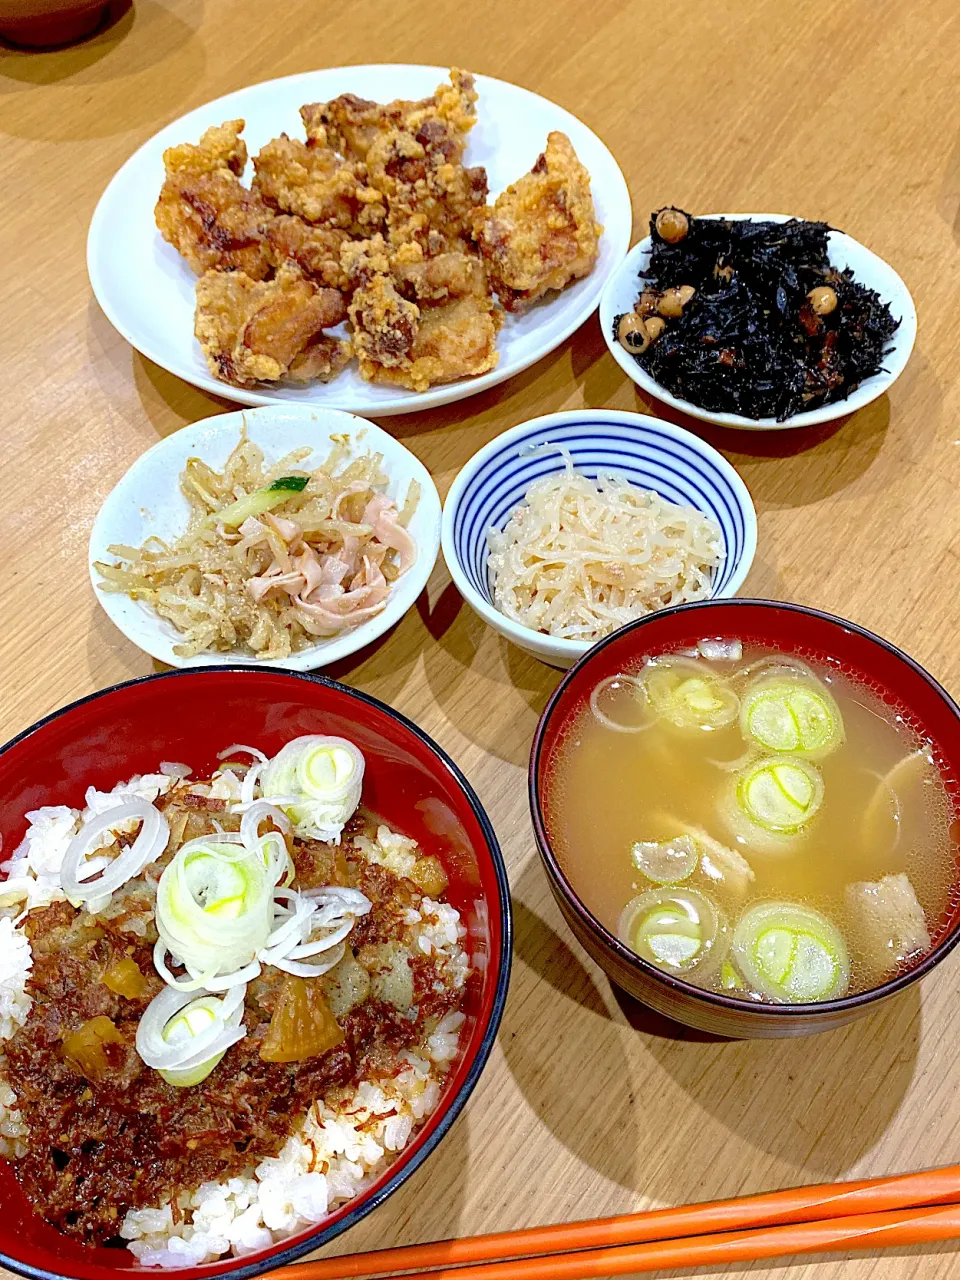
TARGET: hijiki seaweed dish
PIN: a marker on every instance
(226, 1004)
(750, 317)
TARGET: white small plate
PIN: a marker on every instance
(148, 501)
(146, 290)
(620, 295)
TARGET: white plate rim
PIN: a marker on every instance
(868, 391)
(151, 634)
(403, 401)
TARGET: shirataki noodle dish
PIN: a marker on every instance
(226, 1004)
(273, 557)
(579, 558)
(759, 824)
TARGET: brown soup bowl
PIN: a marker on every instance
(789, 628)
(40, 24)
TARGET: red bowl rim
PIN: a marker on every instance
(717, 1000)
(282, 1254)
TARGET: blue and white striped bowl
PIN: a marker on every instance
(648, 452)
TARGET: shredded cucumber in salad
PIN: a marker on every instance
(225, 902)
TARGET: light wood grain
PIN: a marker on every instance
(844, 111)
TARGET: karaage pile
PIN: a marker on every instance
(375, 220)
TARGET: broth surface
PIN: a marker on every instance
(606, 790)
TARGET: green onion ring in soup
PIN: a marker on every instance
(791, 713)
(771, 803)
(687, 693)
(780, 794)
(791, 954)
(665, 861)
(676, 929)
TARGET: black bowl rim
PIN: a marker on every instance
(290, 1253)
(714, 999)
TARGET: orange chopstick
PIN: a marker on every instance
(798, 1205)
(862, 1231)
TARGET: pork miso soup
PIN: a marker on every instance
(754, 823)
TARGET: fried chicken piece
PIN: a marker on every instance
(418, 344)
(206, 213)
(456, 103)
(215, 223)
(455, 274)
(541, 232)
(431, 198)
(411, 153)
(385, 326)
(362, 259)
(320, 360)
(350, 124)
(453, 340)
(220, 147)
(261, 331)
(314, 183)
(314, 249)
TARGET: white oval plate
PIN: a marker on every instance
(620, 295)
(148, 501)
(146, 290)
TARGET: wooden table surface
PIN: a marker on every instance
(844, 111)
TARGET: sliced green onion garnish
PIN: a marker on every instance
(665, 862)
(326, 772)
(184, 1036)
(779, 794)
(215, 907)
(674, 929)
(880, 824)
(686, 693)
(791, 714)
(220, 887)
(325, 768)
(718, 862)
(192, 1021)
(791, 954)
(730, 980)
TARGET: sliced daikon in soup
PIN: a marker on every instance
(889, 921)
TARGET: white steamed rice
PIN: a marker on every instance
(15, 963)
